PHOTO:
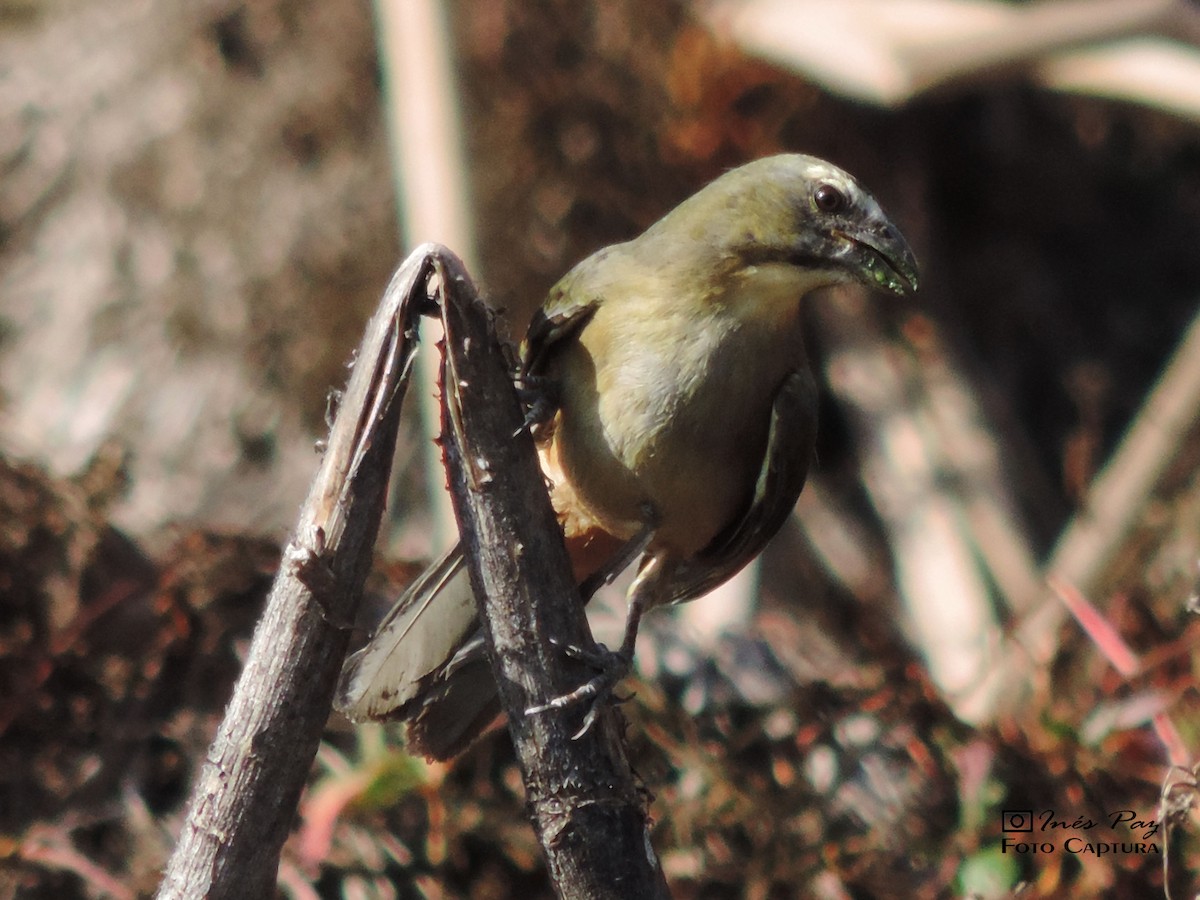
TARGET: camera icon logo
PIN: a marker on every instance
(1018, 820)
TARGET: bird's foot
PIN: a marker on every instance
(540, 397)
(612, 666)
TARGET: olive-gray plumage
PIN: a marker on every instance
(684, 423)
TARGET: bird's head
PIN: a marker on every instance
(793, 213)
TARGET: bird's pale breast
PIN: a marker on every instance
(668, 408)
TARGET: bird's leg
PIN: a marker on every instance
(613, 666)
(639, 595)
(631, 550)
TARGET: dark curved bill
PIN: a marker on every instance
(884, 259)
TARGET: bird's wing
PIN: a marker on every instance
(790, 443)
(568, 307)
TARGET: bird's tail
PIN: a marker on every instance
(426, 664)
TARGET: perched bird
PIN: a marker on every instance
(677, 416)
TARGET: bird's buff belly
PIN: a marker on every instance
(627, 466)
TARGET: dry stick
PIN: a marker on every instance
(244, 800)
(1029, 33)
(589, 813)
(587, 808)
(932, 471)
(897, 58)
(1097, 534)
(424, 116)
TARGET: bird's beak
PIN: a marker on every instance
(879, 255)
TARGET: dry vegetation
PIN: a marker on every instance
(196, 218)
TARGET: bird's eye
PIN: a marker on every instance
(829, 199)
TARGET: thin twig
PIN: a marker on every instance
(430, 173)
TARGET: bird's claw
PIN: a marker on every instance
(598, 690)
(539, 396)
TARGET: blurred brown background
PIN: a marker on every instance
(197, 215)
